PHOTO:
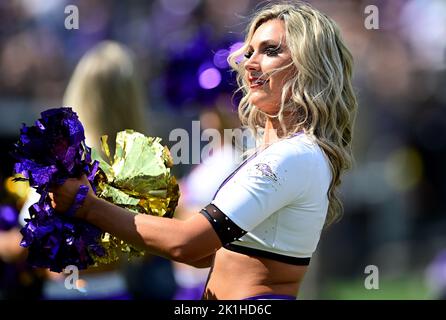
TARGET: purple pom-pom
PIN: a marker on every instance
(47, 154)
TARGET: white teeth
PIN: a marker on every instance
(260, 81)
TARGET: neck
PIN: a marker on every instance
(270, 134)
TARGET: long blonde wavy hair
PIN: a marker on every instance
(106, 92)
(318, 99)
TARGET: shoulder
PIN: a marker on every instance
(287, 163)
(301, 149)
(299, 158)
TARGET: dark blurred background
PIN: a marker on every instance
(395, 209)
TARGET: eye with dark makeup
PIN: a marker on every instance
(248, 54)
(270, 51)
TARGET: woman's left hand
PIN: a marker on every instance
(62, 197)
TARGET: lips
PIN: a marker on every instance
(255, 82)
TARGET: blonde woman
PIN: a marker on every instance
(264, 222)
(106, 93)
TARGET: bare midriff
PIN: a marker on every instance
(236, 276)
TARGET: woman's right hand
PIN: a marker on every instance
(62, 197)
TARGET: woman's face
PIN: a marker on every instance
(266, 53)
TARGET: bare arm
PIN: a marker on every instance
(184, 241)
(206, 262)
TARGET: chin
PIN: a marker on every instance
(264, 103)
(264, 108)
(259, 103)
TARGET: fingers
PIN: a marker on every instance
(62, 196)
(84, 180)
(53, 202)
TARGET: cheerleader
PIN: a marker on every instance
(265, 220)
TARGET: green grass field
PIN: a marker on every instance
(407, 287)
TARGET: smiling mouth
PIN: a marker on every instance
(257, 82)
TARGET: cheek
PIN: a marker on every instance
(277, 83)
(275, 88)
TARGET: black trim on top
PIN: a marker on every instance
(269, 255)
(225, 228)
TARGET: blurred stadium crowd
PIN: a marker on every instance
(395, 214)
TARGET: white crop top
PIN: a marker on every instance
(279, 197)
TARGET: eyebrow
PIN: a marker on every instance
(267, 43)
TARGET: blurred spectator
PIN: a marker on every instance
(17, 280)
(106, 93)
(436, 276)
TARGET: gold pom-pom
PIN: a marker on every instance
(138, 179)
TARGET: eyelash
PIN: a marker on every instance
(271, 51)
(248, 54)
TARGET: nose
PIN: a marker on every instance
(252, 64)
